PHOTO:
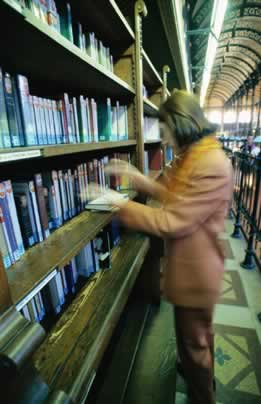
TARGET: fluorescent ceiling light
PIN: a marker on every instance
(217, 18)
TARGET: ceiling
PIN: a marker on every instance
(238, 54)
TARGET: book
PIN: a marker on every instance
(13, 216)
(41, 201)
(10, 234)
(5, 139)
(11, 111)
(64, 10)
(83, 120)
(36, 212)
(103, 249)
(26, 111)
(24, 220)
(5, 247)
(102, 204)
(104, 121)
(18, 112)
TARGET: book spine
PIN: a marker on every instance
(5, 139)
(44, 136)
(35, 211)
(81, 108)
(54, 296)
(76, 122)
(51, 121)
(18, 113)
(70, 278)
(67, 194)
(24, 220)
(26, 111)
(57, 193)
(67, 118)
(82, 263)
(42, 204)
(25, 313)
(60, 289)
(9, 224)
(43, 11)
(65, 286)
(47, 121)
(77, 192)
(5, 247)
(11, 111)
(72, 195)
(86, 182)
(63, 196)
(13, 215)
(95, 255)
(37, 120)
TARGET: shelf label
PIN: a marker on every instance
(36, 290)
(21, 155)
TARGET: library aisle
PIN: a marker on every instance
(237, 343)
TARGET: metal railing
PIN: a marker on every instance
(246, 205)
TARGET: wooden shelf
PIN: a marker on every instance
(150, 108)
(151, 77)
(152, 141)
(55, 252)
(69, 357)
(19, 153)
(57, 64)
(155, 174)
(107, 21)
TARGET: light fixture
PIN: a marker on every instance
(217, 18)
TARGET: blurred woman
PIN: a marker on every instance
(195, 198)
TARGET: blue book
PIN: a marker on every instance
(5, 139)
(104, 121)
(11, 111)
(8, 222)
(26, 111)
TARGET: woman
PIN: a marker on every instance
(195, 199)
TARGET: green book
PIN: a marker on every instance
(104, 121)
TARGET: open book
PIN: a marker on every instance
(101, 203)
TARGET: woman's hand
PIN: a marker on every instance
(122, 168)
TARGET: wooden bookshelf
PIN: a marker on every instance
(56, 60)
(152, 141)
(55, 252)
(151, 77)
(69, 357)
(19, 153)
(105, 19)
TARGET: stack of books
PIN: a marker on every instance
(151, 128)
(31, 209)
(27, 120)
(95, 256)
(58, 15)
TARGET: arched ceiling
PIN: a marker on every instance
(239, 48)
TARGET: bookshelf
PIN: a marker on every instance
(70, 355)
(20, 153)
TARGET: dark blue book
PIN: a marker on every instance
(5, 139)
(18, 112)
(24, 220)
(70, 278)
(11, 111)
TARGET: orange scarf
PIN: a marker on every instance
(184, 166)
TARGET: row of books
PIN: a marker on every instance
(27, 120)
(151, 128)
(58, 14)
(95, 256)
(145, 92)
(152, 160)
(31, 209)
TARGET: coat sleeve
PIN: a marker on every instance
(184, 213)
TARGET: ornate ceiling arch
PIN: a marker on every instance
(239, 48)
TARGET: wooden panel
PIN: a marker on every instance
(5, 298)
(57, 64)
(82, 333)
(55, 252)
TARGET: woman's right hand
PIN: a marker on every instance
(122, 168)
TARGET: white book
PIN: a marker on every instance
(101, 203)
(57, 196)
(65, 286)
(74, 270)
(26, 313)
(60, 289)
(54, 295)
(36, 211)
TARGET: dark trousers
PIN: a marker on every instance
(195, 342)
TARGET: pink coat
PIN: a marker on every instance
(191, 224)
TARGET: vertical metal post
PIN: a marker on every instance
(237, 233)
(249, 262)
(246, 107)
(250, 131)
(140, 11)
(165, 72)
